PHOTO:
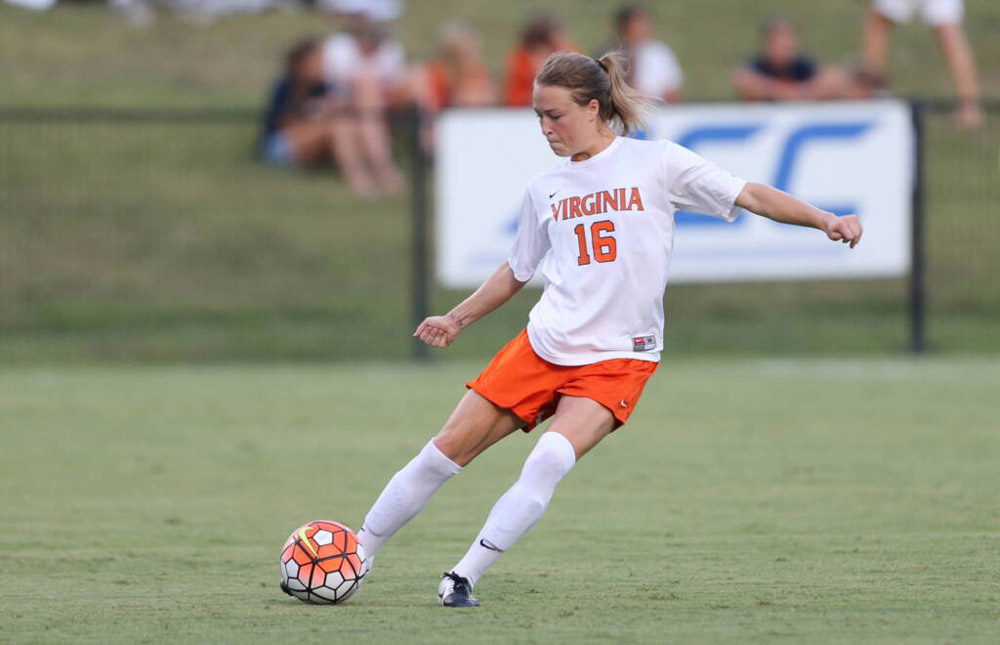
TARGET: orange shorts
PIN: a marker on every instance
(518, 380)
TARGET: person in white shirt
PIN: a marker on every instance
(600, 227)
(653, 67)
(945, 18)
(366, 70)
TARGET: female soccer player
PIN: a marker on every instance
(601, 227)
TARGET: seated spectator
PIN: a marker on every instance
(377, 10)
(457, 76)
(541, 37)
(653, 68)
(368, 70)
(780, 72)
(297, 127)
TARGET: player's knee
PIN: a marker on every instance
(551, 459)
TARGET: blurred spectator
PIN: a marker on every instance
(653, 67)
(377, 10)
(541, 37)
(457, 76)
(139, 13)
(862, 83)
(34, 5)
(945, 17)
(368, 70)
(780, 72)
(297, 126)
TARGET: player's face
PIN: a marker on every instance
(569, 128)
(782, 45)
(638, 30)
(311, 67)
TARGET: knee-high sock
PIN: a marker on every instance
(405, 495)
(521, 506)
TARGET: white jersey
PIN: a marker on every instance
(602, 231)
(657, 72)
(344, 61)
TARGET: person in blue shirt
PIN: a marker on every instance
(298, 123)
(781, 72)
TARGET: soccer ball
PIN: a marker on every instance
(323, 562)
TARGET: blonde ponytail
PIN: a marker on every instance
(628, 106)
(621, 107)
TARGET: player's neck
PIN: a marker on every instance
(602, 139)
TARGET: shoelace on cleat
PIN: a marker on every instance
(461, 585)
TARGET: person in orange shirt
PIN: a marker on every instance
(540, 38)
(457, 76)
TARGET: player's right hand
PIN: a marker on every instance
(846, 229)
(437, 331)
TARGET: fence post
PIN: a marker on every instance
(918, 268)
(418, 205)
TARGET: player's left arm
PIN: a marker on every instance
(782, 207)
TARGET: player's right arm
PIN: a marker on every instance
(441, 331)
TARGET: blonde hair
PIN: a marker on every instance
(621, 107)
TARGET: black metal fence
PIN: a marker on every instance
(160, 235)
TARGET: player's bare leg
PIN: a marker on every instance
(346, 151)
(310, 141)
(962, 66)
(876, 47)
(373, 135)
(584, 422)
(475, 425)
(579, 425)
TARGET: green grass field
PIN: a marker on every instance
(839, 501)
(749, 500)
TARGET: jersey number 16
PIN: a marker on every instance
(604, 246)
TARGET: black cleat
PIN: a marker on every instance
(455, 591)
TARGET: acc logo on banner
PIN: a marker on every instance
(845, 158)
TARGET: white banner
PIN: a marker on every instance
(843, 157)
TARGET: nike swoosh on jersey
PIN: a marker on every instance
(553, 193)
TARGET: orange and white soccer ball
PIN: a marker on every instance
(323, 562)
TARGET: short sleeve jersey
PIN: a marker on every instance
(344, 61)
(602, 232)
(657, 71)
(799, 70)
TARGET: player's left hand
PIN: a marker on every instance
(437, 331)
(846, 229)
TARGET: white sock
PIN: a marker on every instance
(405, 495)
(521, 506)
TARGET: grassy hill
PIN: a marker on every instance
(83, 54)
(164, 240)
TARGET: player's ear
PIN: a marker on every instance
(594, 108)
